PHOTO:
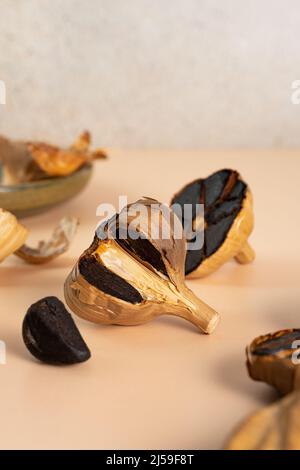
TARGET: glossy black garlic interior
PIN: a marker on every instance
(222, 195)
(105, 280)
(98, 275)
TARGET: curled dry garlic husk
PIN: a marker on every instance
(275, 427)
(13, 236)
(32, 161)
(228, 221)
(130, 281)
(270, 359)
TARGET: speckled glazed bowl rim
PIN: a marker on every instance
(7, 188)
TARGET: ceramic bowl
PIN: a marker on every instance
(36, 197)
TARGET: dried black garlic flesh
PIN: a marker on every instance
(50, 334)
(225, 225)
(105, 280)
(128, 280)
(273, 359)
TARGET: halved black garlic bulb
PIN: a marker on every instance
(226, 223)
(134, 271)
(274, 359)
(275, 427)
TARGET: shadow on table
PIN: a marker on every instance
(232, 373)
(262, 273)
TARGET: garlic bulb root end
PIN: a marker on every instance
(246, 255)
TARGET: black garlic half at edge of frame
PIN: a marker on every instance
(274, 427)
(274, 359)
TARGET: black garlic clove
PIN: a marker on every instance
(274, 359)
(50, 334)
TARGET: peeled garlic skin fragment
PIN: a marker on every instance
(33, 161)
(51, 335)
(275, 427)
(12, 234)
(229, 221)
(270, 360)
(54, 161)
(58, 244)
(116, 282)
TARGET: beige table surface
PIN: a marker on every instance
(163, 384)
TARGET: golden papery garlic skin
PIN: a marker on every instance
(129, 282)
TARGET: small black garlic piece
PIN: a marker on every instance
(270, 359)
(50, 334)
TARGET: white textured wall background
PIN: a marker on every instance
(152, 73)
